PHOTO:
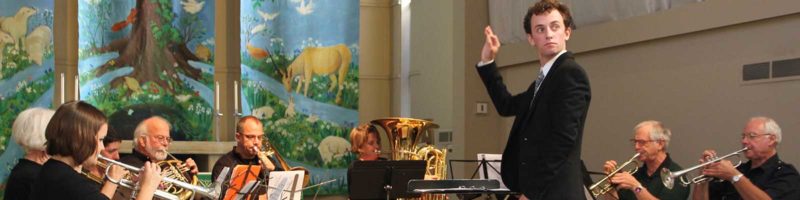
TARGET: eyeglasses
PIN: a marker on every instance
(162, 138)
(752, 135)
(640, 142)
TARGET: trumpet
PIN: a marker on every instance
(604, 185)
(212, 193)
(668, 177)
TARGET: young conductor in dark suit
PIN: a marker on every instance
(542, 156)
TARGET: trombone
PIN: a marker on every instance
(604, 185)
(212, 193)
(668, 177)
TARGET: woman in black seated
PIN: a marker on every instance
(28, 132)
(74, 139)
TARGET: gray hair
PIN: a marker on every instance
(143, 127)
(28, 129)
(658, 132)
(769, 127)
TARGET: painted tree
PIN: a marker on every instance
(154, 48)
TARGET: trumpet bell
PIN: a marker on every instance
(667, 178)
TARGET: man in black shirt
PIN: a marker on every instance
(151, 140)
(650, 140)
(249, 136)
(764, 176)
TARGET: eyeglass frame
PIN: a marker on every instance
(750, 136)
(634, 142)
(162, 138)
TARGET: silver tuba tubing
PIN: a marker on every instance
(668, 177)
(213, 192)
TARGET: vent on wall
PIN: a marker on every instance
(771, 70)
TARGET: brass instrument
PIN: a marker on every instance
(604, 185)
(404, 134)
(169, 194)
(436, 167)
(270, 151)
(174, 169)
(436, 162)
(668, 177)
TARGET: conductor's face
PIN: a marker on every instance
(549, 34)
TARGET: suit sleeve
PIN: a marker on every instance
(504, 102)
(569, 108)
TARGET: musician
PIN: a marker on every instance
(650, 140)
(249, 136)
(73, 141)
(366, 142)
(111, 151)
(763, 176)
(151, 141)
(28, 132)
(112, 143)
(541, 159)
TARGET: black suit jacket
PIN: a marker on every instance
(542, 156)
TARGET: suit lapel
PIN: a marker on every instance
(545, 82)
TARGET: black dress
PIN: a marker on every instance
(20, 181)
(57, 180)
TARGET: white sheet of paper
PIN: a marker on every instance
(285, 180)
(490, 171)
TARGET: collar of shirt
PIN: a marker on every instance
(242, 160)
(771, 164)
(549, 64)
(665, 164)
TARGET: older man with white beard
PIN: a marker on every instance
(151, 141)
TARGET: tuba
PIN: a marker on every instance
(404, 134)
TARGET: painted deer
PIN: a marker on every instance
(333, 61)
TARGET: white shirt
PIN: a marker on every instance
(545, 68)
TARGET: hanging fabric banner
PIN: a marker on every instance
(300, 77)
(26, 69)
(139, 58)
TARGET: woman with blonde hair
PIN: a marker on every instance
(366, 142)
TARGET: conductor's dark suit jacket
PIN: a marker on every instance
(542, 156)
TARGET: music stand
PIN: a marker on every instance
(383, 179)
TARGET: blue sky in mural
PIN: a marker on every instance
(322, 25)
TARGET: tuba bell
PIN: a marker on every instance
(404, 134)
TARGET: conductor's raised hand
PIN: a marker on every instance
(491, 46)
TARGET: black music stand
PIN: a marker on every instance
(383, 179)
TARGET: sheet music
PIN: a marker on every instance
(283, 183)
(492, 173)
